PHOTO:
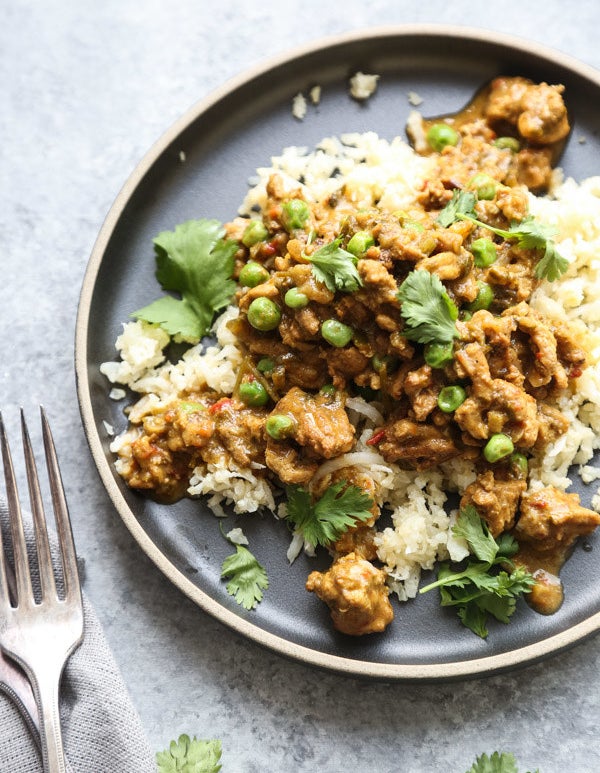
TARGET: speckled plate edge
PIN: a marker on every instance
(387, 671)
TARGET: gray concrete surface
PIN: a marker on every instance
(86, 88)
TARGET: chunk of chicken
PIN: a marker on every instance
(496, 500)
(552, 519)
(536, 110)
(322, 430)
(356, 594)
(423, 445)
(494, 405)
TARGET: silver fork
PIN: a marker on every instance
(40, 635)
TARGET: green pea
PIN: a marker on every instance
(336, 333)
(440, 135)
(191, 407)
(253, 394)
(295, 213)
(451, 397)
(265, 365)
(483, 185)
(327, 389)
(360, 243)
(484, 251)
(484, 298)
(263, 314)
(497, 447)
(279, 426)
(255, 232)
(295, 299)
(508, 143)
(386, 362)
(438, 355)
(519, 464)
(253, 274)
(466, 316)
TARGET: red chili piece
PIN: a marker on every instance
(221, 403)
(376, 438)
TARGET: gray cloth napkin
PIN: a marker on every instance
(101, 729)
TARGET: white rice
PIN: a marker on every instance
(299, 106)
(363, 85)
(375, 171)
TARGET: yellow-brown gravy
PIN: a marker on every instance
(475, 110)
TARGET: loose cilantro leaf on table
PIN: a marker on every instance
(324, 521)
(248, 577)
(189, 755)
(482, 588)
(335, 267)
(528, 234)
(497, 763)
(195, 261)
(427, 311)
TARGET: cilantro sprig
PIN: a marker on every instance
(428, 313)
(247, 577)
(482, 588)
(190, 755)
(195, 261)
(528, 234)
(324, 521)
(335, 267)
(498, 762)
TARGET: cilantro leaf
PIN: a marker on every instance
(499, 762)
(474, 618)
(427, 310)
(552, 265)
(324, 521)
(195, 261)
(248, 577)
(482, 588)
(461, 203)
(507, 546)
(474, 530)
(335, 267)
(190, 756)
(528, 234)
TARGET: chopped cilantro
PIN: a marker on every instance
(189, 755)
(427, 311)
(324, 521)
(248, 578)
(528, 233)
(481, 589)
(335, 267)
(195, 261)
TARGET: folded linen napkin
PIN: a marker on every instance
(101, 729)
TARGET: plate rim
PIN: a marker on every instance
(454, 670)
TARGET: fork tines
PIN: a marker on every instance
(21, 587)
(40, 635)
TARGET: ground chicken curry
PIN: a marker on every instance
(311, 341)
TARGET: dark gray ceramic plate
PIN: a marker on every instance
(224, 138)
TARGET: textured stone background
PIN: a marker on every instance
(87, 87)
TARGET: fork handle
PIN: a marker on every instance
(46, 689)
